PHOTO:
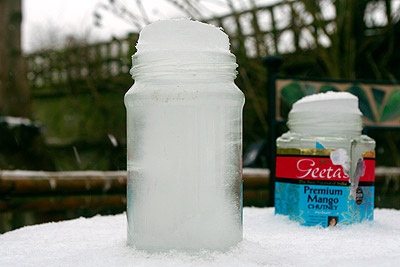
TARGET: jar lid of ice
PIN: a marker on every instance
(326, 114)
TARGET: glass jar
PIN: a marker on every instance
(184, 135)
(325, 167)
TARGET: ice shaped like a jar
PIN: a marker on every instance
(184, 135)
(325, 167)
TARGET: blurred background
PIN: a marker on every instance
(65, 69)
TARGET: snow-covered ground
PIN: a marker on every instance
(269, 240)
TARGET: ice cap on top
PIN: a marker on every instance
(182, 35)
(340, 102)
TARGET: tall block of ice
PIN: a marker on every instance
(184, 129)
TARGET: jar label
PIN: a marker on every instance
(313, 191)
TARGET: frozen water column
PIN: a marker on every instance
(184, 135)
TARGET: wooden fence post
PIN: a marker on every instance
(272, 64)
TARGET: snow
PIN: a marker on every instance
(269, 240)
(16, 121)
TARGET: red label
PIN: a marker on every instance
(318, 168)
(369, 171)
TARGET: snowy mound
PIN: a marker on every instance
(268, 241)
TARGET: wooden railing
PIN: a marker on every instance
(53, 72)
(281, 28)
(31, 197)
(254, 33)
(268, 30)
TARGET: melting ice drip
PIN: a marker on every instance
(340, 157)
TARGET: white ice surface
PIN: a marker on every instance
(328, 102)
(328, 96)
(182, 35)
(269, 240)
